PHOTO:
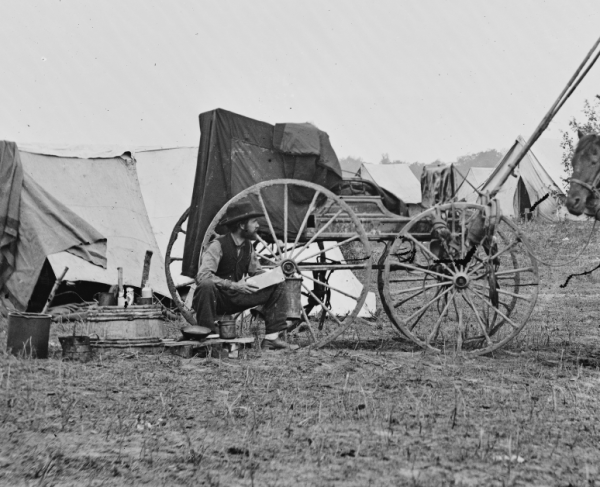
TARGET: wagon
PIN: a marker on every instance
(457, 276)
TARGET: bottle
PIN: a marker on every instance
(146, 291)
(129, 297)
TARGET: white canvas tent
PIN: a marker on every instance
(167, 179)
(475, 178)
(106, 193)
(526, 186)
(398, 179)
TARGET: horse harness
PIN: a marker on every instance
(592, 188)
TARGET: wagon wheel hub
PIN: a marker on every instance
(461, 280)
(289, 267)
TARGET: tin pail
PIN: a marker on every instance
(28, 334)
(227, 329)
(76, 348)
(293, 288)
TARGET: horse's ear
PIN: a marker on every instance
(580, 133)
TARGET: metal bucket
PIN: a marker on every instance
(76, 348)
(293, 288)
(227, 329)
(28, 334)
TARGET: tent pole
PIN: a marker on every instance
(53, 292)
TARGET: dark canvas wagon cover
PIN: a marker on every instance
(438, 185)
(237, 152)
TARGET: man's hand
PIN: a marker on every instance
(244, 288)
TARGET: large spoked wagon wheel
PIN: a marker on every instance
(470, 284)
(304, 225)
(170, 261)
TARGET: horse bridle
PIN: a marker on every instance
(592, 188)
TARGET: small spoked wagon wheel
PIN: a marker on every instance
(170, 261)
(468, 283)
(309, 231)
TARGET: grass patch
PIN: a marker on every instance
(370, 410)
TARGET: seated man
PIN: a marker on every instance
(221, 288)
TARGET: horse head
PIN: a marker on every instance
(584, 196)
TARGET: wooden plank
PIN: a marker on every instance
(205, 343)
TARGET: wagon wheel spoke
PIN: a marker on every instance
(424, 288)
(406, 300)
(463, 229)
(469, 301)
(502, 291)
(496, 310)
(311, 208)
(434, 300)
(265, 247)
(436, 327)
(514, 271)
(285, 219)
(320, 252)
(264, 208)
(317, 234)
(449, 255)
(492, 257)
(307, 322)
(425, 250)
(330, 313)
(421, 290)
(425, 271)
(321, 283)
(420, 279)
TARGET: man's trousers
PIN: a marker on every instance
(211, 303)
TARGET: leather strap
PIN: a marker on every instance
(592, 188)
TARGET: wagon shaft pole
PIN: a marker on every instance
(565, 94)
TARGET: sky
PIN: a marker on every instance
(419, 80)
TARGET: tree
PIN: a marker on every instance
(487, 158)
(350, 166)
(385, 159)
(591, 111)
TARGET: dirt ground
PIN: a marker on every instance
(371, 410)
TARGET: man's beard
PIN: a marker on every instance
(249, 235)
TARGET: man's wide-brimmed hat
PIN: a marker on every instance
(238, 212)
